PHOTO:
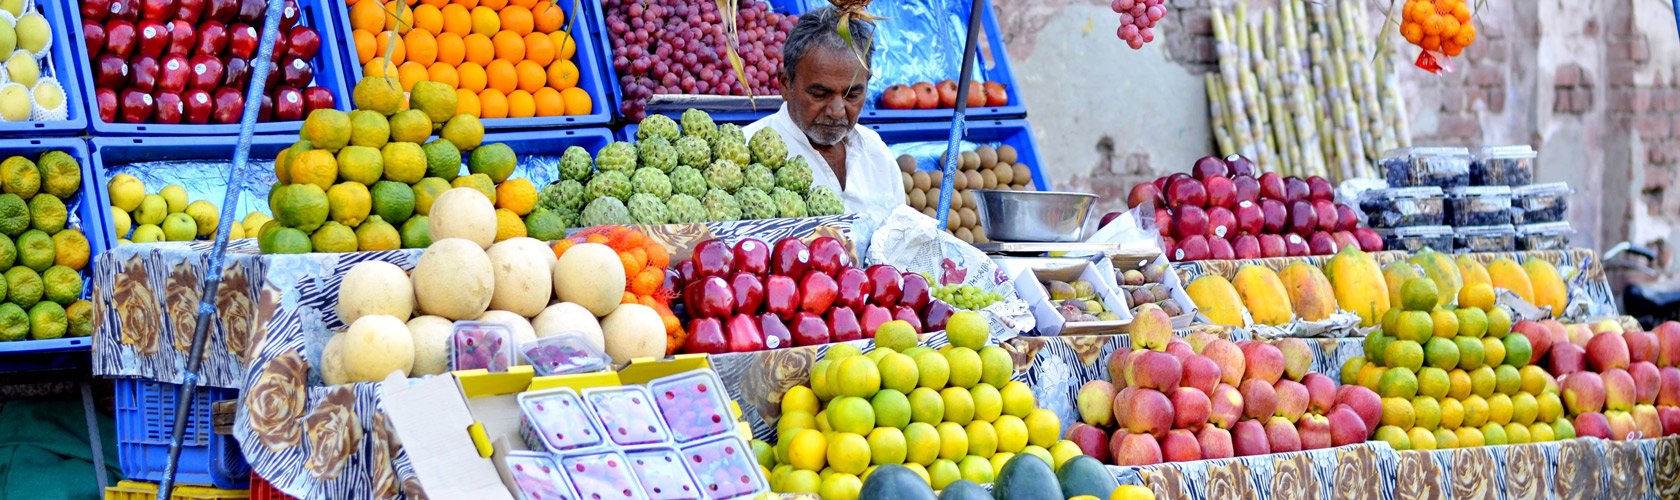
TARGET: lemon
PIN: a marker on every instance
(967, 329)
(333, 237)
(801, 481)
(1415, 326)
(849, 453)
(1398, 412)
(411, 126)
(1403, 353)
(1043, 427)
(1506, 380)
(840, 486)
(35, 250)
(1499, 409)
(1516, 433)
(982, 438)
(204, 214)
(1434, 382)
(62, 284)
(348, 203)
(1469, 437)
(1421, 438)
(1398, 382)
(426, 192)
(1524, 408)
(886, 446)
(443, 160)
(1445, 439)
(508, 225)
(1482, 381)
(1441, 352)
(1396, 437)
(896, 334)
(942, 473)
(404, 162)
(1471, 354)
(1540, 432)
(808, 450)
(892, 409)
(921, 443)
(933, 370)
(47, 213)
(1458, 384)
(147, 233)
(819, 380)
(47, 321)
(1011, 433)
(464, 131)
(62, 176)
(926, 405)
(479, 182)
(1452, 413)
(799, 398)
(328, 129)
(1494, 434)
(1478, 295)
(120, 220)
(360, 164)
(953, 441)
(1018, 399)
(851, 414)
(383, 95)
(1472, 322)
(1418, 294)
(965, 366)
(976, 468)
(1499, 322)
(859, 377)
(1494, 349)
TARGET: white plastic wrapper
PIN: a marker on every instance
(40, 113)
(911, 241)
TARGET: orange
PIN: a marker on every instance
(398, 16)
(1461, 11)
(411, 73)
(367, 16)
(1431, 42)
(443, 73)
(1466, 35)
(434, 3)
(539, 49)
(365, 49)
(456, 19)
(577, 101)
(479, 48)
(492, 104)
(1412, 32)
(501, 76)
(564, 47)
(547, 17)
(548, 102)
(516, 19)
(450, 49)
(531, 76)
(509, 46)
(493, 4)
(523, 3)
(520, 105)
(1451, 49)
(472, 76)
(465, 3)
(466, 102)
(381, 43)
(428, 18)
(420, 47)
(377, 67)
(485, 21)
(562, 75)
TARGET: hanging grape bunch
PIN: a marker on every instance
(682, 47)
(1137, 20)
(1438, 25)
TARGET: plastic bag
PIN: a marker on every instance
(911, 241)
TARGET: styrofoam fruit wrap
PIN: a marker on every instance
(40, 113)
(912, 242)
(3, 89)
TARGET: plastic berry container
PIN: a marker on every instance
(1427, 166)
(693, 404)
(1495, 238)
(725, 468)
(1547, 202)
(1478, 206)
(1503, 165)
(558, 421)
(627, 414)
(480, 344)
(1404, 207)
(1416, 238)
(1544, 236)
(537, 477)
(663, 474)
(602, 476)
(566, 353)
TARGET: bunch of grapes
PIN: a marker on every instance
(1137, 20)
(682, 47)
(966, 297)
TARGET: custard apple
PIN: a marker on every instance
(568, 217)
(767, 148)
(612, 184)
(617, 157)
(648, 209)
(605, 211)
(694, 152)
(823, 201)
(732, 150)
(729, 131)
(575, 164)
(794, 176)
(721, 207)
(696, 123)
(564, 194)
(788, 203)
(656, 152)
(755, 204)
(761, 177)
(658, 126)
(724, 174)
(687, 180)
(685, 209)
(651, 181)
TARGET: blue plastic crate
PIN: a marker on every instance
(145, 420)
(1016, 133)
(64, 69)
(587, 58)
(90, 208)
(328, 65)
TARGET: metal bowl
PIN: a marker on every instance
(1033, 215)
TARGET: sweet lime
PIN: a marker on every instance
(368, 129)
(348, 203)
(360, 164)
(892, 409)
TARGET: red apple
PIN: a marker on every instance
(242, 40)
(915, 292)
(872, 318)
(908, 315)
(1186, 192)
(1319, 189)
(828, 255)
(809, 329)
(1321, 243)
(188, 10)
(743, 334)
(938, 313)
(110, 71)
(1327, 216)
(1163, 221)
(137, 106)
(1168, 246)
(781, 297)
(182, 37)
(196, 106)
(1221, 222)
(853, 288)
(843, 324)
(1369, 240)
(106, 98)
(237, 73)
(1272, 245)
(1346, 218)
(317, 98)
(745, 288)
(212, 37)
(1271, 186)
(751, 256)
(886, 285)
(1247, 189)
(1296, 245)
(1295, 189)
(251, 11)
(1249, 218)
(93, 35)
(714, 298)
(776, 334)
(282, 45)
(120, 38)
(1144, 192)
(154, 37)
(790, 258)
(1190, 220)
(95, 10)
(1107, 218)
(1246, 247)
(818, 293)
(206, 73)
(1274, 214)
(303, 42)
(143, 73)
(221, 11)
(289, 15)
(705, 335)
(1240, 165)
(1191, 249)
(713, 258)
(1343, 239)
(1303, 219)
(1210, 166)
(1220, 248)
(1221, 192)
(297, 73)
(127, 10)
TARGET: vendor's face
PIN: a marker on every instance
(827, 93)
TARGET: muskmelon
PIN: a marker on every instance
(463, 213)
(431, 344)
(591, 275)
(516, 324)
(332, 361)
(632, 331)
(454, 279)
(569, 317)
(524, 279)
(374, 346)
(375, 287)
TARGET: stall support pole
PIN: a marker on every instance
(213, 277)
(958, 120)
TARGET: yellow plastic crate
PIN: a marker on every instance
(138, 490)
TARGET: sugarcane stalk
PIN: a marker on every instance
(1300, 96)
(1250, 87)
(1289, 152)
(1345, 88)
(1371, 100)
(1241, 135)
(1216, 113)
(1259, 71)
(1397, 102)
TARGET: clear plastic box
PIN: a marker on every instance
(694, 404)
(1495, 238)
(1416, 238)
(1503, 165)
(536, 476)
(602, 476)
(481, 344)
(568, 352)
(1478, 206)
(627, 414)
(663, 474)
(725, 468)
(1547, 202)
(556, 420)
(1544, 236)
(1404, 207)
(1427, 166)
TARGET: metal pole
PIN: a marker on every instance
(213, 276)
(958, 119)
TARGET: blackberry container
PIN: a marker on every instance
(1493, 238)
(1478, 206)
(1427, 166)
(1404, 207)
(1533, 203)
(1503, 166)
(1416, 238)
(1544, 236)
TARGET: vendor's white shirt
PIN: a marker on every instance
(874, 185)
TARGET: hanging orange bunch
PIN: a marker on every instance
(1438, 25)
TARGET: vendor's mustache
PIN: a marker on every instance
(824, 123)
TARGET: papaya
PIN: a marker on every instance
(1309, 291)
(1472, 272)
(893, 481)
(1217, 299)
(1358, 284)
(1398, 273)
(1440, 269)
(1084, 475)
(1025, 477)
(963, 489)
(1263, 294)
(1549, 288)
(1506, 274)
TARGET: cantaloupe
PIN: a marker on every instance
(463, 213)
(524, 279)
(454, 279)
(515, 323)
(332, 361)
(632, 331)
(591, 275)
(375, 287)
(569, 317)
(374, 346)
(536, 246)
(431, 344)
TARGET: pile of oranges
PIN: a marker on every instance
(1438, 25)
(505, 58)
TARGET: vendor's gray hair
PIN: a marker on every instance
(821, 28)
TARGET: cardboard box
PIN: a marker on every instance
(1119, 263)
(1029, 274)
